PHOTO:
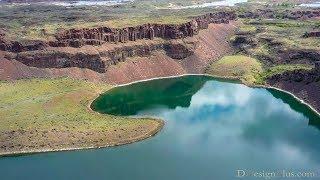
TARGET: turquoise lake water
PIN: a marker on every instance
(212, 130)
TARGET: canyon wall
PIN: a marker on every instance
(209, 45)
(113, 45)
(98, 36)
(103, 57)
(302, 83)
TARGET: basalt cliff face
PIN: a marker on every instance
(311, 34)
(98, 36)
(73, 48)
(118, 63)
(103, 57)
(304, 84)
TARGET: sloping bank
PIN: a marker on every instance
(299, 80)
(42, 115)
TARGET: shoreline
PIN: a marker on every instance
(161, 122)
(223, 78)
(112, 144)
(150, 134)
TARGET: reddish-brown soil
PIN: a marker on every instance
(156, 65)
(12, 69)
(211, 44)
(309, 93)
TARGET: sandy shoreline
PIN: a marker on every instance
(161, 122)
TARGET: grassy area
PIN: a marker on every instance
(247, 28)
(287, 32)
(119, 23)
(270, 41)
(238, 66)
(279, 69)
(22, 22)
(47, 31)
(53, 113)
(249, 70)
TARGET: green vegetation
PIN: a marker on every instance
(249, 70)
(240, 67)
(119, 23)
(54, 113)
(247, 29)
(279, 69)
(286, 32)
(22, 22)
(46, 103)
(273, 42)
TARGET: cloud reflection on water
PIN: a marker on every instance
(241, 126)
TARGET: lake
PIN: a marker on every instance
(214, 129)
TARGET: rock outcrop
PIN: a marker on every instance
(311, 34)
(101, 60)
(281, 53)
(317, 66)
(305, 84)
(210, 44)
(16, 46)
(297, 55)
(56, 59)
(305, 76)
(98, 36)
(114, 45)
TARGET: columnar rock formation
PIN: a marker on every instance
(100, 61)
(317, 66)
(115, 44)
(97, 36)
(312, 34)
(56, 59)
(305, 76)
(15, 46)
(303, 83)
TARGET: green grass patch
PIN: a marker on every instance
(279, 69)
(241, 67)
(62, 104)
(247, 29)
(41, 21)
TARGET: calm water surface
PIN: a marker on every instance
(213, 128)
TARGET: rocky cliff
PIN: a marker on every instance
(113, 45)
(311, 34)
(202, 49)
(102, 58)
(304, 76)
(304, 84)
(98, 36)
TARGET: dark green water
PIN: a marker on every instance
(213, 128)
